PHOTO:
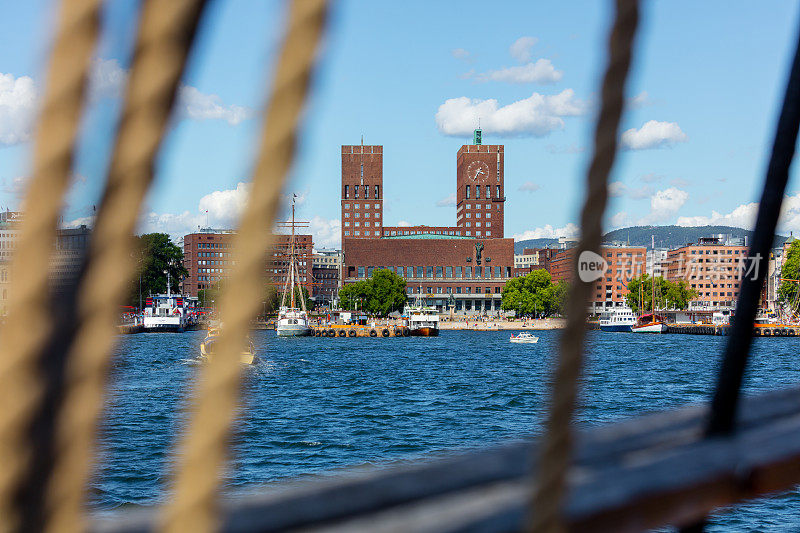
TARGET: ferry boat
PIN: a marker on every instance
(168, 312)
(524, 338)
(650, 323)
(620, 319)
(292, 321)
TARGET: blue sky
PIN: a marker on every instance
(413, 76)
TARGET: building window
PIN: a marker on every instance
(346, 224)
(346, 206)
(357, 233)
(419, 272)
(467, 272)
(346, 193)
(488, 233)
(360, 272)
(366, 215)
(468, 290)
(477, 224)
(469, 233)
(477, 233)
(498, 272)
(467, 192)
(477, 191)
(369, 272)
(356, 191)
(429, 272)
(358, 215)
(478, 272)
(488, 206)
(458, 272)
(469, 206)
(488, 215)
(438, 272)
(347, 215)
(488, 191)
(346, 233)
(401, 272)
(377, 193)
(448, 272)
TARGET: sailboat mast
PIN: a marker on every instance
(291, 255)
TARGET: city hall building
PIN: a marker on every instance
(460, 268)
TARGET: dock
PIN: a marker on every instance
(767, 330)
(354, 330)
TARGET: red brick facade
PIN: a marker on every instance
(207, 257)
(362, 192)
(713, 270)
(480, 190)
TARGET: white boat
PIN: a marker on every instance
(650, 323)
(208, 348)
(524, 338)
(620, 319)
(169, 312)
(422, 321)
(292, 320)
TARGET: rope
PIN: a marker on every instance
(202, 452)
(557, 446)
(166, 31)
(729, 383)
(20, 386)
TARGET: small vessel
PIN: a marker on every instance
(209, 343)
(620, 319)
(292, 321)
(524, 338)
(650, 323)
(422, 321)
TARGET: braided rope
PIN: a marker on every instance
(202, 453)
(546, 516)
(20, 386)
(166, 31)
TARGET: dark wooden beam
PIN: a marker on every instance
(630, 476)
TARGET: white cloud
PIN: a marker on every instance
(17, 108)
(447, 201)
(744, 216)
(664, 205)
(653, 134)
(620, 220)
(619, 189)
(521, 49)
(651, 177)
(535, 116)
(326, 233)
(107, 80)
(541, 71)
(530, 186)
(404, 224)
(196, 105)
(225, 207)
(640, 100)
(548, 232)
(679, 182)
(460, 53)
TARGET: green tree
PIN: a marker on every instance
(668, 294)
(787, 290)
(157, 254)
(300, 293)
(383, 293)
(534, 294)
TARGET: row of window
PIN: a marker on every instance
(451, 290)
(357, 233)
(450, 272)
(365, 188)
(213, 254)
(467, 233)
(478, 224)
(478, 191)
(358, 215)
(213, 245)
(358, 224)
(358, 206)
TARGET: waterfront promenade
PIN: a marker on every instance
(500, 325)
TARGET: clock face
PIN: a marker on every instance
(478, 171)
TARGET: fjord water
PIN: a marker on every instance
(315, 404)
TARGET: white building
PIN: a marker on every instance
(656, 259)
(526, 261)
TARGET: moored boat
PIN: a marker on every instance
(292, 320)
(524, 338)
(650, 323)
(423, 321)
(620, 320)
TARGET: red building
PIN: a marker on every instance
(362, 192)
(207, 257)
(463, 267)
(624, 264)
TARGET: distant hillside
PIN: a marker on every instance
(665, 236)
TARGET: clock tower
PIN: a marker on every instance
(480, 189)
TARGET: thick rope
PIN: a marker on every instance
(554, 460)
(201, 455)
(20, 387)
(166, 31)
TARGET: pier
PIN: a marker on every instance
(350, 331)
(759, 330)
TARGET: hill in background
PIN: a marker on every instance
(665, 236)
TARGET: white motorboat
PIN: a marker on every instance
(524, 338)
(650, 323)
(292, 320)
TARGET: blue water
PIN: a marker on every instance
(314, 404)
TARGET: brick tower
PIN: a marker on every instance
(480, 189)
(362, 192)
